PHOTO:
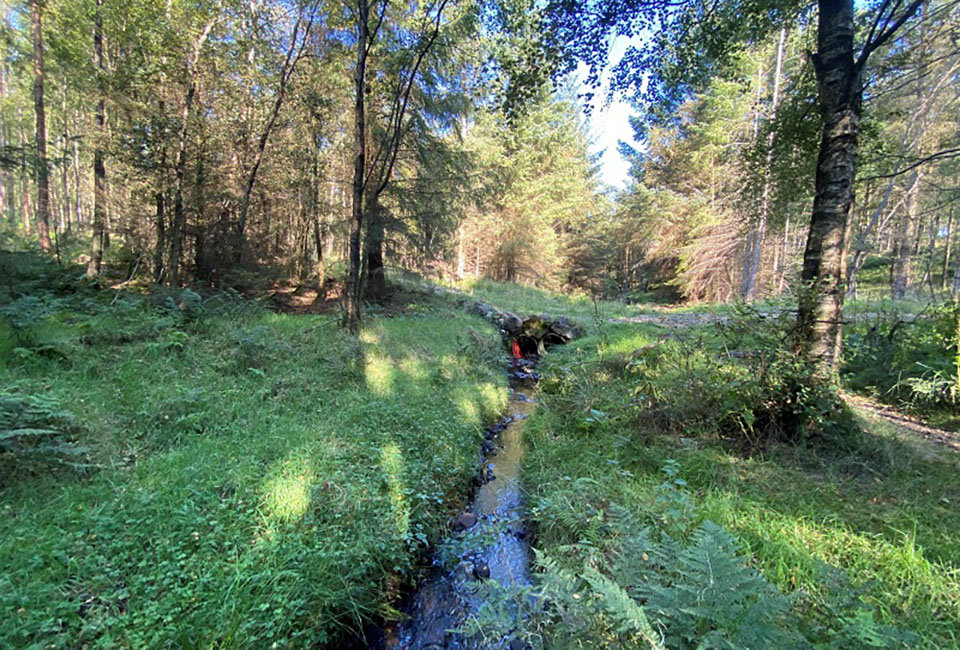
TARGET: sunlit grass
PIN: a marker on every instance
(259, 475)
(885, 513)
(287, 493)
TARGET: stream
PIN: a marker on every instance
(488, 543)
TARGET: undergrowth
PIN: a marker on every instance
(908, 360)
(251, 479)
(847, 537)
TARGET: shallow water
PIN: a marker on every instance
(497, 542)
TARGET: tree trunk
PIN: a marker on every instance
(201, 263)
(6, 175)
(77, 193)
(784, 256)
(946, 252)
(25, 210)
(352, 294)
(460, 259)
(160, 219)
(756, 249)
(43, 172)
(820, 313)
(955, 287)
(179, 216)
(64, 172)
(906, 240)
(97, 241)
(375, 288)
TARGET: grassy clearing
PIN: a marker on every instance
(859, 537)
(530, 300)
(259, 479)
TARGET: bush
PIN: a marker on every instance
(753, 398)
(907, 362)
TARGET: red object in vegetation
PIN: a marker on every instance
(515, 348)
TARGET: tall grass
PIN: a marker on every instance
(260, 480)
(861, 533)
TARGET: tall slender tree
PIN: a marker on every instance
(42, 164)
(98, 238)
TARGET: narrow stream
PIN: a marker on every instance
(489, 543)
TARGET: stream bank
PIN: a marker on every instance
(489, 540)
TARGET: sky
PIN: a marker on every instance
(609, 122)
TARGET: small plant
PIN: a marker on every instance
(36, 427)
(908, 361)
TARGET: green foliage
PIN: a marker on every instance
(35, 428)
(693, 590)
(660, 591)
(860, 535)
(750, 395)
(906, 360)
(259, 478)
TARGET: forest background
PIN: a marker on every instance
(199, 142)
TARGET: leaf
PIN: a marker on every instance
(7, 434)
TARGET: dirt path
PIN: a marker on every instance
(909, 426)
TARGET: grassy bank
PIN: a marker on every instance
(527, 301)
(859, 541)
(249, 478)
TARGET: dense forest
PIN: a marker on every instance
(262, 265)
(199, 142)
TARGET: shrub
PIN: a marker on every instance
(752, 398)
(905, 361)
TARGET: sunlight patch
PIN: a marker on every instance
(287, 495)
(493, 398)
(391, 461)
(379, 374)
(469, 410)
(414, 368)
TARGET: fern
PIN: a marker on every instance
(658, 592)
(708, 597)
(35, 426)
(622, 609)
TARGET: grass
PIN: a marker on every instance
(526, 301)
(257, 478)
(884, 512)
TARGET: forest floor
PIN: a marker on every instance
(248, 477)
(253, 477)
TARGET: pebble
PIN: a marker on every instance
(481, 571)
(465, 521)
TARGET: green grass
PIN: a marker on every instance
(884, 512)
(526, 301)
(259, 479)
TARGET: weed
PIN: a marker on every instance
(874, 510)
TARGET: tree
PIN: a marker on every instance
(693, 41)
(43, 171)
(99, 169)
(371, 176)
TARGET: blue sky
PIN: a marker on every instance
(609, 123)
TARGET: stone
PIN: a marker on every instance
(465, 521)
(481, 571)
